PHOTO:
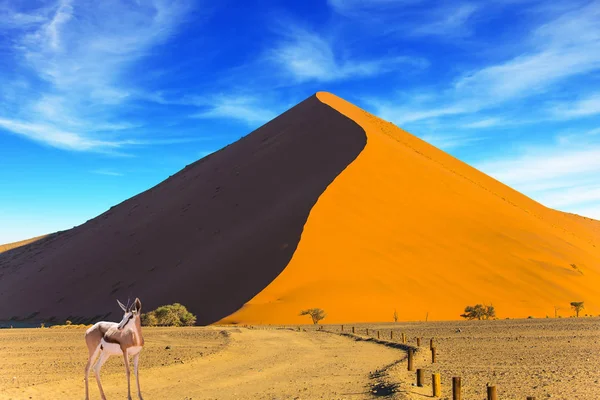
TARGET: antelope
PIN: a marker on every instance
(110, 338)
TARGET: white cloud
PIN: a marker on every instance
(82, 53)
(581, 137)
(483, 123)
(12, 19)
(307, 56)
(527, 75)
(412, 110)
(244, 108)
(358, 8)
(106, 172)
(560, 177)
(56, 137)
(450, 21)
(448, 142)
(410, 17)
(584, 107)
(587, 211)
(565, 47)
(562, 48)
(576, 195)
(539, 165)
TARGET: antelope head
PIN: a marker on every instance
(131, 313)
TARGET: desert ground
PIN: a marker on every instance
(545, 358)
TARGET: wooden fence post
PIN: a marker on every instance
(420, 376)
(342, 328)
(433, 355)
(410, 359)
(418, 342)
(456, 388)
(491, 393)
(403, 337)
(431, 343)
(391, 335)
(352, 329)
(367, 331)
(437, 385)
(377, 334)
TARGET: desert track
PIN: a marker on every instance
(254, 364)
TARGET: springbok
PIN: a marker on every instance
(110, 338)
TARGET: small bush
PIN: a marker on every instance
(70, 326)
(479, 312)
(577, 306)
(315, 313)
(169, 315)
(149, 319)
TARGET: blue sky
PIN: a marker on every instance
(100, 100)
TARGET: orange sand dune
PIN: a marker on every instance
(406, 226)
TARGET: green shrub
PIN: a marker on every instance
(169, 315)
(315, 313)
(577, 306)
(479, 312)
(149, 319)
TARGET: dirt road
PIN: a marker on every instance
(255, 364)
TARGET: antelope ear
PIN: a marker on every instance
(122, 306)
(137, 304)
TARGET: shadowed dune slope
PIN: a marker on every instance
(408, 227)
(211, 237)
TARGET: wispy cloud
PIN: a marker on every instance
(449, 142)
(591, 211)
(483, 123)
(248, 109)
(308, 56)
(560, 49)
(411, 109)
(418, 17)
(448, 21)
(565, 47)
(14, 19)
(106, 172)
(74, 58)
(56, 137)
(584, 107)
(538, 165)
(557, 176)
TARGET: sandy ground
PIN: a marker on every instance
(218, 363)
(545, 358)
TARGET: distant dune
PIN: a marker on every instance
(326, 206)
(14, 245)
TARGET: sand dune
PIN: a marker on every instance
(211, 237)
(14, 245)
(408, 227)
(301, 213)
